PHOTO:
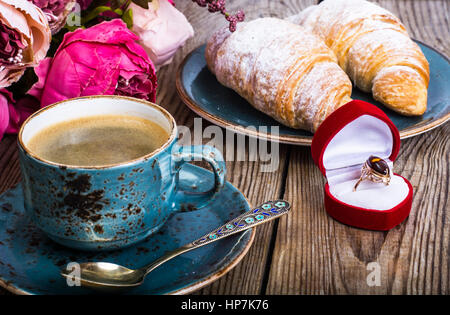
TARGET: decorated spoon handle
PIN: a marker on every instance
(265, 212)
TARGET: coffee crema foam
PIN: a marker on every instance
(98, 140)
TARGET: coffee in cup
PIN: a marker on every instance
(98, 140)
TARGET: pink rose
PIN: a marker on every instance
(56, 12)
(101, 60)
(24, 39)
(162, 30)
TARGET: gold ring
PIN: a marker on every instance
(376, 170)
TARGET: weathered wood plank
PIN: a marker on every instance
(248, 277)
(316, 255)
(313, 253)
(9, 164)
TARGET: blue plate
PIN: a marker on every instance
(199, 89)
(30, 263)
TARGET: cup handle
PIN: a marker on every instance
(186, 154)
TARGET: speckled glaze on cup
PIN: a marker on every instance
(112, 206)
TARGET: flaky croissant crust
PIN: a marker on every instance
(373, 47)
(281, 69)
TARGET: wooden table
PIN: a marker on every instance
(307, 252)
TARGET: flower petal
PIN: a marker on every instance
(4, 112)
(20, 111)
(162, 32)
(92, 61)
(41, 71)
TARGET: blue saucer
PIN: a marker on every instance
(30, 263)
(201, 92)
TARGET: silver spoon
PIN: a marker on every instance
(107, 276)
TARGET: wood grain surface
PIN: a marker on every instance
(307, 252)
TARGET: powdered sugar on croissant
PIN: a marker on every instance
(374, 49)
(281, 69)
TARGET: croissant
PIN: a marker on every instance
(373, 47)
(281, 69)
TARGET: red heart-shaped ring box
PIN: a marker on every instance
(340, 147)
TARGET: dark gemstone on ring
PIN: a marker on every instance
(378, 165)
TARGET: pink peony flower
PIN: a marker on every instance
(12, 113)
(21, 110)
(101, 60)
(162, 30)
(6, 101)
(24, 39)
(56, 12)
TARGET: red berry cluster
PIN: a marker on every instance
(219, 6)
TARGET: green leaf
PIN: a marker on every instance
(118, 11)
(72, 28)
(127, 17)
(142, 3)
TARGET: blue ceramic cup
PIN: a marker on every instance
(112, 206)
